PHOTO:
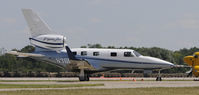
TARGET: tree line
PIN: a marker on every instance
(11, 63)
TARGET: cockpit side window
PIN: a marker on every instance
(128, 54)
(83, 53)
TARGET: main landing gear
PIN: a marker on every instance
(83, 76)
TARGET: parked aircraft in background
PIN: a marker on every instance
(193, 61)
(52, 48)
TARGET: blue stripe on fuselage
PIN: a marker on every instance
(46, 42)
(113, 60)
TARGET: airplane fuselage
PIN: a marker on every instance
(106, 59)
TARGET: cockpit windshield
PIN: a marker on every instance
(137, 54)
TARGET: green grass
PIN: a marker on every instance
(39, 80)
(132, 91)
(3, 86)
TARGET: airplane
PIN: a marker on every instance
(52, 48)
(193, 61)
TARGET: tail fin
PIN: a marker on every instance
(36, 25)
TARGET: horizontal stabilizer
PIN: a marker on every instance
(19, 54)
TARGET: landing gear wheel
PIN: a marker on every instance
(81, 78)
(159, 79)
(196, 79)
(87, 78)
(84, 78)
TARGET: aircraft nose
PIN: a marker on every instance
(161, 62)
(168, 64)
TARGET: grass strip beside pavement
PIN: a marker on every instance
(123, 91)
(39, 80)
(3, 86)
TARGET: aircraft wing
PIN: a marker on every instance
(20, 54)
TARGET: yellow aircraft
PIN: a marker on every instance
(193, 61)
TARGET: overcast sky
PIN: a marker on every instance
(170, 24)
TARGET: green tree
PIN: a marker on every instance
(28, 49)
(94, 46)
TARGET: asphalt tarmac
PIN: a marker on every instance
(109, 83)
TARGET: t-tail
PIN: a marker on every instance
(43, 38)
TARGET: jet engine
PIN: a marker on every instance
(50, 41)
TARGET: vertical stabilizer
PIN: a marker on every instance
(36, 25)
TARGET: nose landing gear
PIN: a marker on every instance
(159, 78)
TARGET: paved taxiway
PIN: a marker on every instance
(181, 82)
(100, 78)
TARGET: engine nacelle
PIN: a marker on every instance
(50, 41)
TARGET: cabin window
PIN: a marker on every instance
(113, 54)
(74, 53)
(83, 53)
(95, 53)
(128, 54)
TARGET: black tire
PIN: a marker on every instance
(87, 78)
(159, 79)
(84, 78)
(81, 78)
